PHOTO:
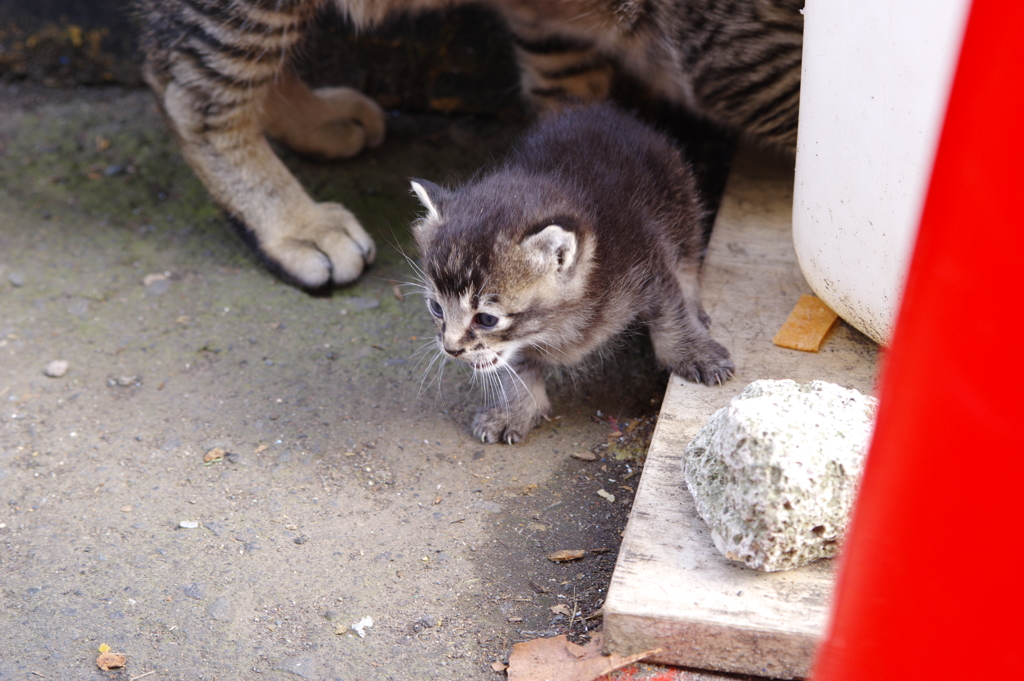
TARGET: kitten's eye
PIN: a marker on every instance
(435, 309)
(488, 321)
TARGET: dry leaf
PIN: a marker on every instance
(557, 658)
(215, 454)
(108, 660)
(561, 609)
(565, 555)
(584, 456)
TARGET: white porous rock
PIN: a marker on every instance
(775, 473)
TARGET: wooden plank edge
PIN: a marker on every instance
(736, 650)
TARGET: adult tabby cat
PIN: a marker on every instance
(220, 71)
(576, 237)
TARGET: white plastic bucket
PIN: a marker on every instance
(876, 78)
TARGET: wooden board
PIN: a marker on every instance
(671, 588)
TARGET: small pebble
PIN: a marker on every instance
(156, 284)
(188, 524)
(424, 623)
(16, 278)
(584, 456)
(56, 368)
(195, 591)
(222, 610)
(303, 667)
(218, 529)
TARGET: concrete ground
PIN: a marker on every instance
(349, 488)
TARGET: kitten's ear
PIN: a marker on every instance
(430, 195)
(552, 248)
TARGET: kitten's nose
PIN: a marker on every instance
(454, 353)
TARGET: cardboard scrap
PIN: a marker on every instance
(807, 325)
(543, 659)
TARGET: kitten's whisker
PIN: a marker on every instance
(423, 383)
(422, 351)
(439, 359)
(544, 349)
(493, 389)
(515, 374)
(440, 371)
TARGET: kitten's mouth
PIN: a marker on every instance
(485, 365)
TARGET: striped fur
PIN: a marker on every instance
(736, 62)
(220, 71)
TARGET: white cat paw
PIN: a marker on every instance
(320, 245)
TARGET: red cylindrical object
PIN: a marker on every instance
(931, 582)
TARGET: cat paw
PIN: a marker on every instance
(328, 123)
(497, 425)
(356, 120)
(711, 367)
(320, 245)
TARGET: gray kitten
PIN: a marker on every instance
(592, 223)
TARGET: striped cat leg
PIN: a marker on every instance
(557, 70)
(746, 72)
(335, 122)
(213, 64)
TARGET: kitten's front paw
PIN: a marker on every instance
(322, 244)
(498, 425)
(711, 366)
